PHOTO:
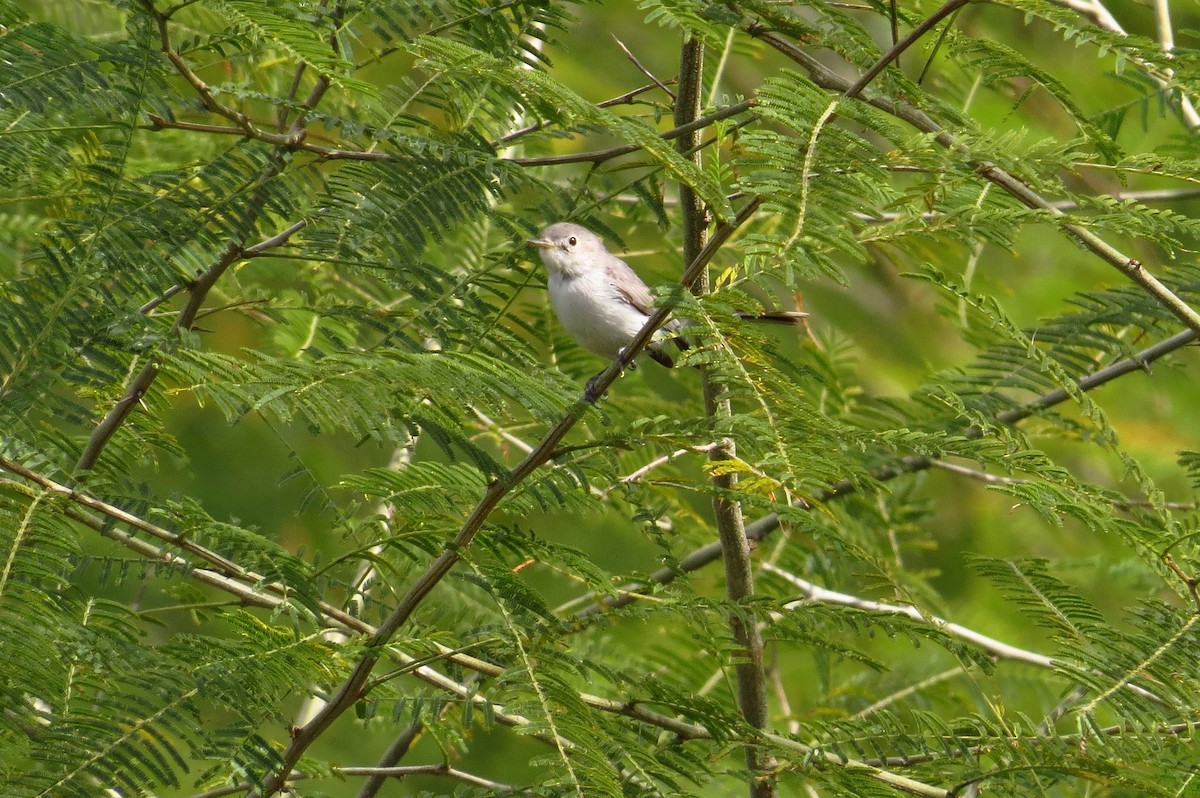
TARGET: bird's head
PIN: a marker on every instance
(568, 249)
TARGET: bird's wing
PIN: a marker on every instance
(632, 290)
(629, 286)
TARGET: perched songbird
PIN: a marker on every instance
(602, 302)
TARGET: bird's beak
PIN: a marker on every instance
(540, 243)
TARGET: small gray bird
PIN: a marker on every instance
(600, 300)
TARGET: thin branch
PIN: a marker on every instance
(600, 156)
(691, 731)
(908, 41)
(1138, 362)
(908, 690)
(1189, 581)
(394, 753)
(815, 593)
(640, 68)
(1148, 195)
(627, 97)
(764, 526)
(495, 428)
(161, 298)
(636, 476)
(281, 120)
(289, 141)
(428, 770)
(981, 476)
(996, 479)
(894, 780)
(201, 88)
(136, 389)
(781, 696)
(381, 773)
(1162, 20)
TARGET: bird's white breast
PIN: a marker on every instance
(594, 312)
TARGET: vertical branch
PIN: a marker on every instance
(739, 577)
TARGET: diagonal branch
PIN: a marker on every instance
(908, 41)
(137, 387)
(620, 99)
(197, 294)
(681, 130)
(998, 649)
(640, 67)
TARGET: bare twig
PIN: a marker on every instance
(816, 593)
(640, 67)
(277, 240)
(495, 428)
(996, 648)
(600, 156)
(981, 476)
(636, 476)
(161, 298)
(627, 97)
(906, 691)
(899, 47)
(429, 770)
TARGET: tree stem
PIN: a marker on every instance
(739, 577)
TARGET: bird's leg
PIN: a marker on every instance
(589, 390)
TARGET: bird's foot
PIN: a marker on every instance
(590, 390)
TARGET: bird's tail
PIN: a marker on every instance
(776, 316)
(657, 349)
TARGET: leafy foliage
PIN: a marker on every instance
(288, 432)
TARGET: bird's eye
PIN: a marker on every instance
(572, 241)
